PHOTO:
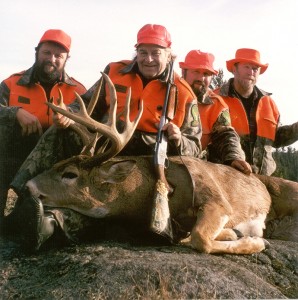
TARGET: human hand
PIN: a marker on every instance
(242, 166)
(173, 132)
(61, 121)
(28, 122)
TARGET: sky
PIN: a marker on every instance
(106, 31)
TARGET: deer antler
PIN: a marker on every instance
(109, 130)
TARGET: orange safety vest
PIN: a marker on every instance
(267, 116)
(32, 97)
(153, 96)
(209, 114)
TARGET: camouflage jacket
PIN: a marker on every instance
(223, 141)
(258, 149)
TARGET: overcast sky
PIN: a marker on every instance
(105, 31)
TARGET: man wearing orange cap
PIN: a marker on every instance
(147, 75)
(254, 114)
(219, 139)
(24, 116)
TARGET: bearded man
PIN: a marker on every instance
(254, 114)
(24, 116)
(219, 139)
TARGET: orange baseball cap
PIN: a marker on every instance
(249, 56)
(154, 34)
(57, 36)
(195, 59)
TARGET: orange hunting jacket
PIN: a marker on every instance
(267, 120)
(267, 116)
(22, 92)
(153, 95)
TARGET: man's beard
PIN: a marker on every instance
(246, 85)
(199, 92)
(47, 76)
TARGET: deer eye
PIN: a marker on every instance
(69, 178)
(69, 175)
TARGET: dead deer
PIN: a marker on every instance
(211, 201)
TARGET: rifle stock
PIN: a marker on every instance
(161, 221)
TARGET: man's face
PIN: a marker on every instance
(50, 61)
(199, 80)
(246, 75)
(152, 60)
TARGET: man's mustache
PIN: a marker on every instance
(49, 64)
(199, 82)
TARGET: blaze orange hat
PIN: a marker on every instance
(195, 59)
(249, 56)
(57, 36)
(154, 34)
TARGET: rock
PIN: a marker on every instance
(113, 270)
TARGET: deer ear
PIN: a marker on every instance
(115, 172)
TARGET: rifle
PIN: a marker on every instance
(160, 220)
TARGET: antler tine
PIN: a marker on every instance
(95, 97)
(60, 98)
(130, 126)
(113, 102)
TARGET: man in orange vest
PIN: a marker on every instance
(24, 116)
(254, 114)
(218, 135)
(147, 75)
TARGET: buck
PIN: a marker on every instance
(213, 202)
